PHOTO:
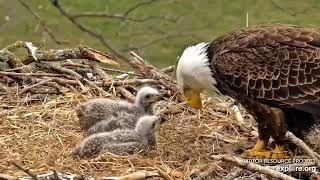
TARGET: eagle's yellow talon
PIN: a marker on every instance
(266, 154)
(279, 153)
(258, 151)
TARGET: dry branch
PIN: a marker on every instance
(109, 83)
(140, 175)
(42, 23)
(290, 136)
(164, 175)
(125, 93)
(57, 68)
(136, 6)
(30, 74)
(35, 177)
(103, 92)
(9, 58)
(100, 37)
(76, 53)
(252, 167)
(103, 68)
(33, 86)
(97, 70)
(120, 17)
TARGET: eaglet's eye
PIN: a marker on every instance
(148, 96)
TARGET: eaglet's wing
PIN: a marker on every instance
(275, 64)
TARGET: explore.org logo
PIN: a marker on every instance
(287, 165)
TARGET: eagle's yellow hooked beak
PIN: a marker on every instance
(192, 96)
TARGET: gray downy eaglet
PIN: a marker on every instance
(120, 141)
(116, 113)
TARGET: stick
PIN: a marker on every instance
(76, 53)
(168, 69)
(65, 81)
(35, 177)
(252, 167)
(164, 175)
(125, 93)
(30, 74)
(10, 58)
(205, 174)
(127, 82)
(234, 173)
(103, 92)
(140, 175)
(98, 36)
(55, 67)
(103, 68)
(14, 46)
(42, 23)
(33, 86)
(290, 136)
(96, 69)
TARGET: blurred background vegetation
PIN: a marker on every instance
(158, 30)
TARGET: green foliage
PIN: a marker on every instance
(195, 21)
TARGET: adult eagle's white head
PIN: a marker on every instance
(194, 74)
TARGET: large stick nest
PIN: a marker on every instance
(39, 128)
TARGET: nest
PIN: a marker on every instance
(39, 127)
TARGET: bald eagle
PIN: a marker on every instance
(272, 70)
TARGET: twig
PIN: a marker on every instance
(14, 46)
(157, 40)
(220, 137)
(42, 23)
(103, 68)
(57, 68)
(10, 59)
(136, 6)
(30, 74)
(282, 8)
(103, 92)
(207, 174)
(253, 167)
(96, 69)
(100, 37)
(234, 173)
(76, 53)
(164, 175)
(290, 136)
(168, 69)
(125, 93)
(140, 175)
(33, 86)
(119, 16)
(65, 81)
(127, 82)
(35, 177)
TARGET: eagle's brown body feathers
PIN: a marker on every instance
(271, 63)
(268, 67)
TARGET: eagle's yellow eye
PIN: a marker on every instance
(192, 96)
